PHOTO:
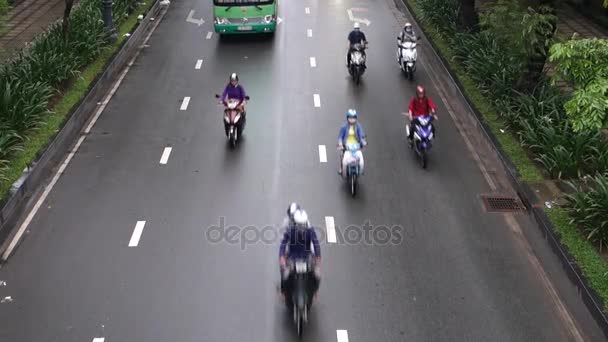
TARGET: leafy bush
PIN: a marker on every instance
(589, 209)
(30, 79)
(442, 14)
(494, 71)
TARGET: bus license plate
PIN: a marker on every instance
(244, 28)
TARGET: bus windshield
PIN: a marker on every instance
(242, 2)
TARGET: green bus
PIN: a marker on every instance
(244, 16)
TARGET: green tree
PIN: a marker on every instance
(582, 63)
(538, 28)
(66, 18)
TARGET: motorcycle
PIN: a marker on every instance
(353, 169)
(357, 62)
(423, 136)
(234, 120)
(300, 298)
(407, 62)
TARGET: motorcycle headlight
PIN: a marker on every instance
(268, 19)
(221, 20)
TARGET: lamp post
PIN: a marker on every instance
(107, 20)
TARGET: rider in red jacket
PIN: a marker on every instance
(420, 105)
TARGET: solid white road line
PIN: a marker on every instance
(309, 32)
(185, 103)
(99, 339)
(317, 100)
(313, 62)
(165, 156)
(139, 228)
(198, 64)
(331, 230)
(342, 335)
(209, 34)
(322, 154)
(65, 164)
(307, 10)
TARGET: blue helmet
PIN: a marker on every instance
(351, 114)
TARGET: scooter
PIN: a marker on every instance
(300, 298)
(408, 56)
(423, 136)
(353, 169)
(234, 120)
(357, 62)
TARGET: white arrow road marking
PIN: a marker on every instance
(353, 18)
(331, 230)
(279, 20)
(190, 19)
(199, 22)
(322, 154)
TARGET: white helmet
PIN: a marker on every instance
(407, 26)
(356, 26)
(300, 218)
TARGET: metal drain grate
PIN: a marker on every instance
(502, 203)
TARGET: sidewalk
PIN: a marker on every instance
(570, 21)
(24, 21)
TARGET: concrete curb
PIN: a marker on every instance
(591, 299)
(37, 175)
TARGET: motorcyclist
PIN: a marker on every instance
(419, 105)
(350, 132)
(291, 210)
(406, 35)
(234, 90)
(356, 36)
(296, 244)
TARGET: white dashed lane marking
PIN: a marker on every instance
(307, 10)
(309, 32)
(313, 62)
(209, 34)
(317, 100)
(342, 335)
(165, 157)
(331, 230)
(139, 229)
(198, 64)
(99, 339)
(322, 154)
(185, 103)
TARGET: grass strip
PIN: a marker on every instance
(591, 263)
(38, 139)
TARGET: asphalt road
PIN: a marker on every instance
(453, 272)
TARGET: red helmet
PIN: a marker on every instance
(420, 90)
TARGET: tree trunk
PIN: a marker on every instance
(66, 18)
(468, 18)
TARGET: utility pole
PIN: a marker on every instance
(108, 22)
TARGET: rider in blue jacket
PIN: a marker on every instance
(296, 244)
(350, 132)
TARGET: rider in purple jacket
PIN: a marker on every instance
(234, 90)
